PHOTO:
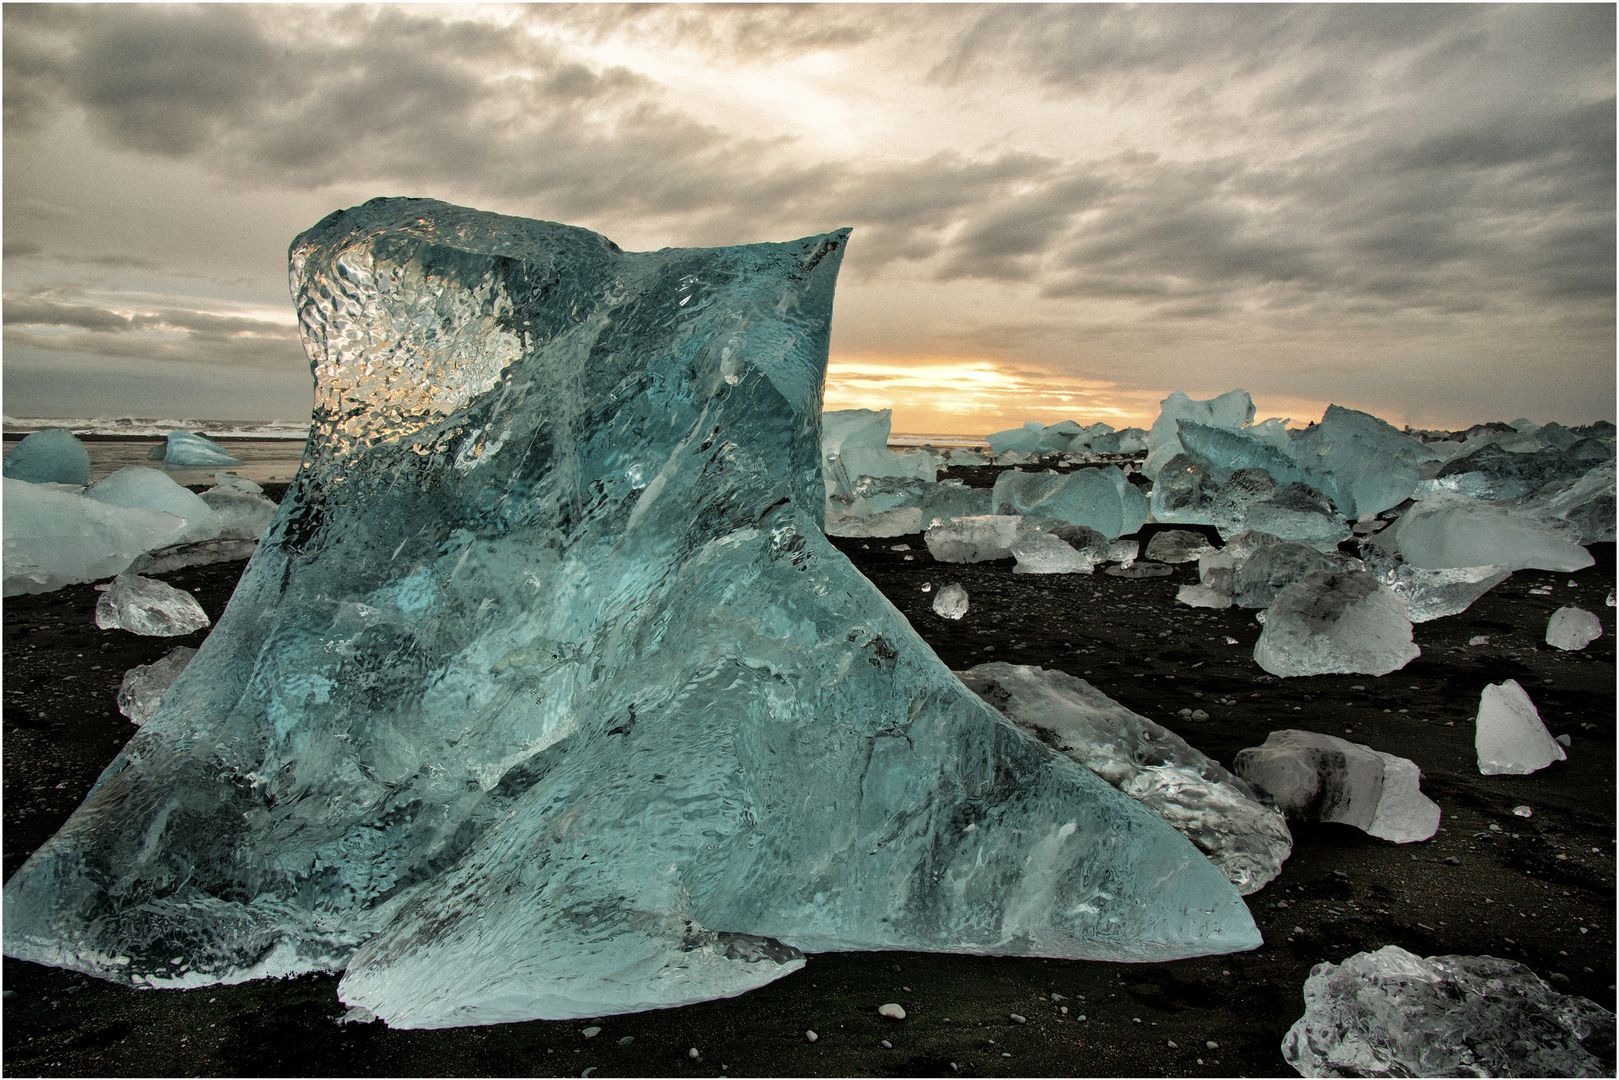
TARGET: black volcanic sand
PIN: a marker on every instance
(1539, 890)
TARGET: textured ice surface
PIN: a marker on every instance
(1241, 491)
(1449, 531)
(1299, 512)
(1393, 1013)
(143, 687)
(897, 506)
(1178, 546)
(52, 456)
(1023, 439)
(164, 559)
(54, 537)
(1572, 629)
(546, 696)
(148, 607)
(1215, 810)
(1369, 465)
(1333, 622)
(1316, 777)
(1434, 594)
(1069, 549)
(1265, 573)
(950, 602)
(1182, 492)
(1202, 596)
(1101, 499)
(189, 448)
(1588, 502)
(1509, 735)
(1223, 451)
(1494, 472)
(140, 488)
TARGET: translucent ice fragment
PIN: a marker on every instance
(1434, 594)
(1588, 502)
(143, 687)
(1068, 549)
(974, 539)
(1233, 409)
(1335, 622)
(1023, 439)
(136, 487)
(1393, 1013)
(145, 606)
(1510, 737)
(951, 602)
(189, 448)
(54, 538)
(1369, 465)
(1495, 472)
(1450, 531)
(52, 456)
(1182, 492)
(1271, 569)
(546, 696)
(1202, 596)
(242, 514)
(1299, 512)
(1242, 490)
(1178, 546)
(178, 556)
(1215, 810)
(1316, 777)
(1572, 629)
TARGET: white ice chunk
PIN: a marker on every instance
(1233, 409)
(140, 488)
(951, 602)
(1202, 596)
(1264, 574)
(1393, 1013)
(1068, 549)
(1098, 498)
(54, 538)
(1176, 546)
(149, 607)
(242, 514)
(1450, 531)
(1335, 622)
(143, 687)
(1572, 629)
(52, 456)
(1510, 737)
(1215, 810)
(240, 483)
(1023, 439)
(974, 539)
(1315, 777)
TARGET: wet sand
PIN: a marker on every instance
(1541, 890)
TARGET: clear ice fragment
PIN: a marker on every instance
(1244, 489)
(139, 488)
(148, 607)
(1214, 809)
(1572, 629)
(1335, 622)
(975, 539)
(1509, 735)
(951, 602)
(242, 515)
(52, 456)
(144, 686)
(1268, 571)
(1178, 546)
(1314, 777)
(546, 696)
(1232, 409)
(1182, 492)
(1301, 513)
(1448, 531)
(1098, 498)
(1393, 1013)
(1434, 594)
(189, 448)
(1369, 465)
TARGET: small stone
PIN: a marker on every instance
(590, 1032)
(1081, 1016)
(1212, 1045)
(1479, 639)
(1173, 1045)
(1565, 740)
(810, 1036)
(1017, 1018)
(1451, 860)
(693, 1054)
(1199, 714)
(1298, 930)
(1064, 1009)
(887, 1045)
(1135, 1019)
(892, 1011)
(626, 1040)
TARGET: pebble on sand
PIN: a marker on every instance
(810, 1036)
(892, 1011)
(590, 1032)
(1017, 1019)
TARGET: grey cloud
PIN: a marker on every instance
(215, 351)
(203, 326)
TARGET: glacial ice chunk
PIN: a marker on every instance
(139, 488)
(898, 506)
(149, 607)
(1316, 777)
(144, 686)
(975, 539)
(1299, 512)
(189, 448)
(950, 602)
(1448, 531)
(1434, 594)
(1587, 502)
(1509, 735)
(1242, 490)
(1493, 472)
(1023, 439)
(1572, 629)
(1232, 409)
(242, 515)
(55, 538)
(1369, 465)
(1214, 809)
(546, 696)
(1223, 451)
(1068, 549)
(1335, 623)
(1267, 572)
(1393, 1013)
(1178, 546)
(1099, 498)
(52, 456)
(1183, 492)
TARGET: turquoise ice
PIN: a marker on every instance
(546, 696)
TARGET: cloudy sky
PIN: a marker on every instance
(1059, 212)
